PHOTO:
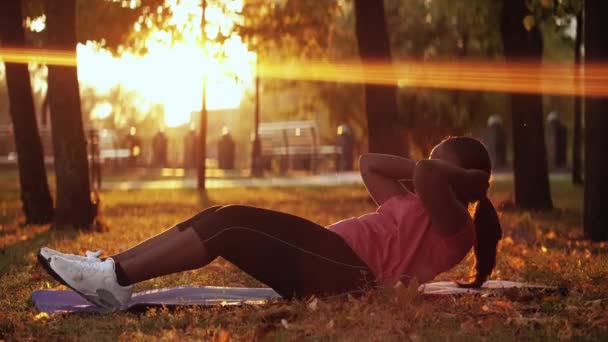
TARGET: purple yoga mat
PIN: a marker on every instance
(67, 301)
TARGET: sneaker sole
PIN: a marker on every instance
(104, 299)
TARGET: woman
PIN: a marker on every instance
(410, 235)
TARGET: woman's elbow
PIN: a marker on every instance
(424, 171)
(424, 166)
(364, 161)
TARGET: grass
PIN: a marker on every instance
(542, 247)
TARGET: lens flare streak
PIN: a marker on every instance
(554, 79)
(48, 57)
(528, 78)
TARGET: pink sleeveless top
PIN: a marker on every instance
(398, 241)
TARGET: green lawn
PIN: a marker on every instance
(544, 247)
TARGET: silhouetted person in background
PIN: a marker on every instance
(497, 141)
(159, 146)
(346, 142)
(226, 150)
(191, 149)
(557, 141)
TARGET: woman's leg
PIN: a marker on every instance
(292, 255)
(171, 251)
(163, 236)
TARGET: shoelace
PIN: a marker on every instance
(87, 269)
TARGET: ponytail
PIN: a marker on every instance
(472, 154)
(487, 232)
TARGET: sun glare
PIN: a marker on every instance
(171, 72)
(102, 110)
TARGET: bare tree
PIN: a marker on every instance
(73, 206)
(529, 151)
(35, 195)
(385, 132)
(596, 126)
(577, 127)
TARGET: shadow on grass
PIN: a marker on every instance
(15, 255)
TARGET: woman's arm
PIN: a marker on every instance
(444, 188)
(381, 174)
(469, 184)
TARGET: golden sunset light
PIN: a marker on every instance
(225, 92)
(354, 170)
(171, 72)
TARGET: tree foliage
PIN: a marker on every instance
(444, 30)
(110, 22)
(294, 28)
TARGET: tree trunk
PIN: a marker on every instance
(202, 143)
(529, 151)
(596, 126)
(35, 195)
(577, 127)
(74, 206)
(385, 132)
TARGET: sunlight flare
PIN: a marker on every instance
(171, 71)
(547, 78)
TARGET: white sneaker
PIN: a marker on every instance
(95, 281)
(47, 253)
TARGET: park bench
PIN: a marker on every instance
(294, 145)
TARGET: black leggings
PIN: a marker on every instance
(295, 257)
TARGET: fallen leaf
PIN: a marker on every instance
(312, 305)
(42, 315)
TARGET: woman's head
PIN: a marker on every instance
(470, 153)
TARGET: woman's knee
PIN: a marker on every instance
(200, 216)
(233, 211)
(215, 223)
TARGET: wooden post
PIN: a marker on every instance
(315, 150)
(285, 168)
(202, 155)
(256, 151)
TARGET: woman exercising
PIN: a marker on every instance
(411, 235)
